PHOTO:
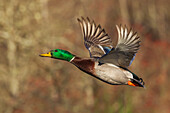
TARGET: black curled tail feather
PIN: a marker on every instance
(139, 82)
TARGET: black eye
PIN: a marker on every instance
(56, 51)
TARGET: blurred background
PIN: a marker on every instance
(32, 84)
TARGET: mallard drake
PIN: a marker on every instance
(106, 63)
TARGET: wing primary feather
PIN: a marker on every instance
(89, 27)
(129, 36)
(103, 35)
(93, 28)
(81, 25)
(95, 37)
(122, 32)
(118, 30)
(134, 41)
(127, 46)
(100, 32)
(85, 27)
(97, 30)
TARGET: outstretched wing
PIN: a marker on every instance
(96, 39)
(127, 46)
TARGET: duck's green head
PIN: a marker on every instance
(59, 54)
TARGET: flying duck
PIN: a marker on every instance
(106, 63)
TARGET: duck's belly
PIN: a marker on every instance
(112, 74)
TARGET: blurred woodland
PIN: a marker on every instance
(31, 84)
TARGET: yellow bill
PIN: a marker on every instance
(46, 54)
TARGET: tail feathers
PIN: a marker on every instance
(135, 82)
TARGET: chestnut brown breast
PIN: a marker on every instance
(86, 65)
